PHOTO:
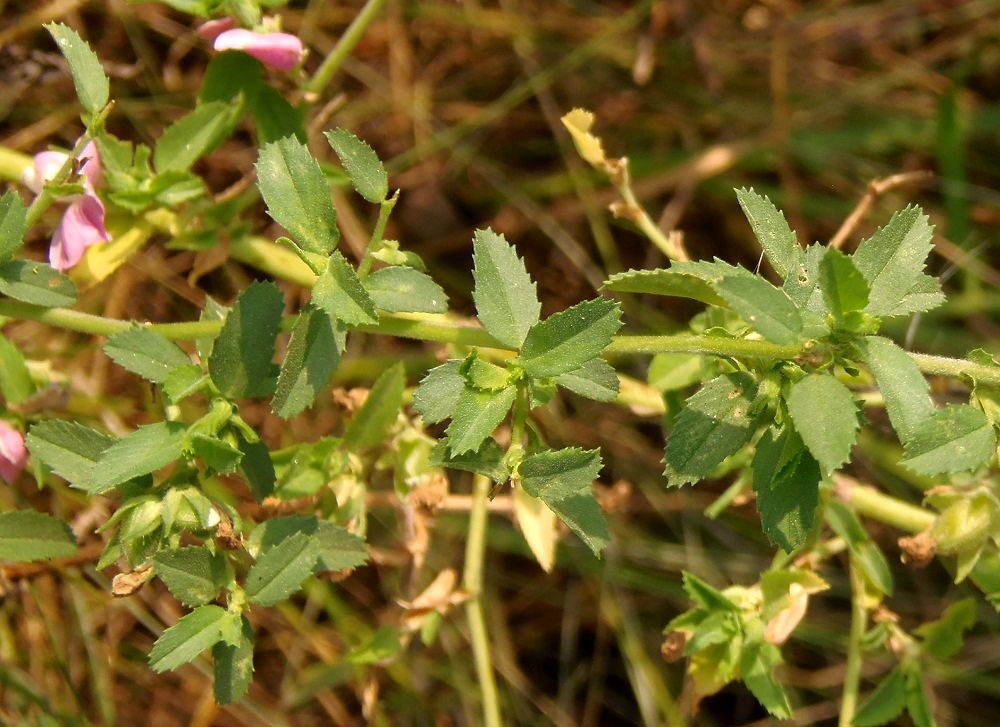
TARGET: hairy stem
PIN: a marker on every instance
(852, 671)
(472, 581)
(384, 210)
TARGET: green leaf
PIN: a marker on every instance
(803, 287)
(280, 571)
(340, 292)
(297, 194)
(274, 117)
(664, 282)
(865, 553)
(311, 359)
(88, 76)
(338, 548)
(405, 290)
(194, 135)
(382, 645)
(505, 295)
(885, 703)
(480, 374)
(26, 535)
(36, 283)
(757, 661)
(943, 638)
(194, 575)
(219, 455)
(68, 448)
(257, 468)
(906, 392)
(438, 392)
(595, 380)
(925, 295)
(182, 642)
(844, 288)
(15, 382)
(958, 438)
(370, 424)
(825, 415)
(711, 271)
(146, 353)
(12, 224)
(184, 381)
(892, 259)
(488, 460)
(234, 665)
(229, 76)
(145, 450)
(714, 423)
(361, 164)
(772, 231)
(707, 597)
(567, 340)
(918, 702)
(477, 413)
(674, 371)
(563, 479)
(786, 480)
(240, 364)
(767, 309)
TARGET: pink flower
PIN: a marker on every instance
(214, 28)
(83, 222)
(278, 50)
(13, 455)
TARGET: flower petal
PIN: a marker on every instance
(46, 165)
(82, 225)
(214, 28)
(278, 50)
(13, 455)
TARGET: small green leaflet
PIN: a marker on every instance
(563, 480)
(311, 359)
(338, 548)
(906, 392)
(803, 287)
(26, 535)
(194, 135)
(825, 415)
(767, 309)
(567, 340)
(219, 455)
(772, 231)
(184, 381)
(923, 296)
(844, 288)
(145, 450)
(786, 481)
(340, 292)
(88, 76)
(706, 596)
(943, 638)
(15, 383)
(297, 195)
(274, 117)
(12, 224)
(257, 468)
(234, 665)
(892, 260)
(757, 662)
(371, 422)
(68, 448)
(488, 460)
(240, 364)
(280, 571)
(480, 374)
(145, 353)
(865, 553)
(885, 703)
(438, 392)
(958, 438)
(477, 413)
(230, 76)
(194, 575)
(182, 642)
(664, 282)
(918, 702)
(595, 380)
(714, 423)
(36, 283)
(361, 164)
(505, 295)
(400, 289)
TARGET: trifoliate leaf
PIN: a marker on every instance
(892, 259)
(943, 638)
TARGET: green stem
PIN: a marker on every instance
(637, 213)
(472, 581)
(713, 345)
(335, 59)
(852, 671)
(384, 210)
(876, 505)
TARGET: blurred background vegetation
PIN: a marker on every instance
(806, 101)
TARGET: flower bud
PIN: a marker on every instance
(13, 455)
(278, 50)
(965, 523)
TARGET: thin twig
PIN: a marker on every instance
(876, 188)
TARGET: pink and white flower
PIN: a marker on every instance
(278, 50)
(13, 455)
(83, 222)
